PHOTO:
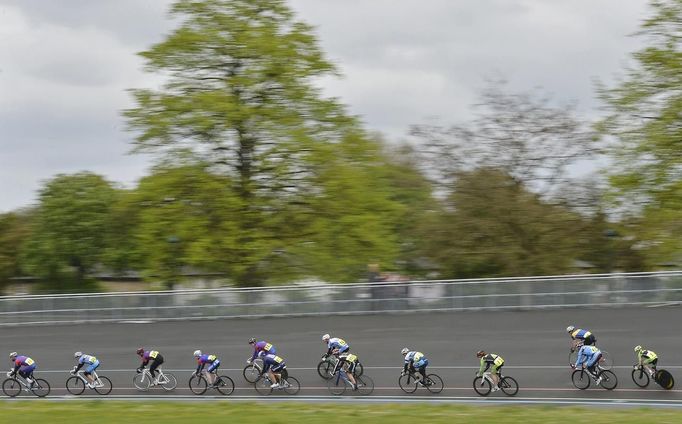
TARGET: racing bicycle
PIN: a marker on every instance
(339, 382)
(288, 384)
(15, 383)
(410, 382)
(483, 384)
(198, 384)
(581, 378)
(77, 383)
(662, 377)
(328, 363)
(143, 380)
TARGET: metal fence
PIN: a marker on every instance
(299, 300)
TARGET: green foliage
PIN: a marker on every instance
(14, 231)
(68, 230)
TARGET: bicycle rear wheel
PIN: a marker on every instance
(640, 377)
(224, 385)
(41, 387)
(263, 386)
(11, 387)
(198, 384)
(141, 382)
(482, 386)
(359, 369)
(606, 361)
(509, 386)
(434, 383)
(291, 386)
(169, 382)
(365, 385)
(75, 385)
(609, 381)
(580, 379)
(407, 383)
(336, 385)
(664, 379)
(106, 386)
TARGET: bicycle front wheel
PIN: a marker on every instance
(75, 385)
(580, 379)
(106, 387)
(482, 386)
(509, 386)
(251, 373)
(336, 385)
(263, 386)
(198, 384)
(407, 383)
(640, 377)
(434, 383)
(141, 382)
(365, 385)
(324, 369)
(169, 382)
(291, 386)
(41, 387)
(609, 381)
(11, 387)
(224, 385)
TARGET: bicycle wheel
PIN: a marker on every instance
(407, 383)
(291, 386)
(572, 357)
(262, 386)
(11, 387)
(198, 384)
(141, 382)
(664, 379)
(640, 377)
(224, 385)
(482, 386)
(75, 385)
(609, 381)
(434, 383)
(41, 387)
(324, 369)
(336, 385)
(359, 369)
(169, 382)
(509, 386)
(606, 361)
(251, 372)
(106, 386)
(365, 385)
(580, 379)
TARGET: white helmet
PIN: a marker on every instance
(78, 354)
(197, 353)
(404, 351)
(638, 348)
(570, 328)
(325, 337)
(12, 355)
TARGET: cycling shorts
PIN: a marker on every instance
(496, 368)
(92, 367)
(278, 367)
(25, 371)
(421, 363)
(214, 366)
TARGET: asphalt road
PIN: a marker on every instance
(533, 343)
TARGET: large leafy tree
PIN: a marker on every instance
(14, 231)
(69, 227)
(645, 125)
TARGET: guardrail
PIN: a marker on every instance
(603, 290)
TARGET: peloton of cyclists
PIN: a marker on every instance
(153, 358)
(415, 361)
(92, 364)
(647, 359)
(213, 363)
(491, 361)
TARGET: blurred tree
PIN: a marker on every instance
(644, 125)
(68, 231)
(14, 231)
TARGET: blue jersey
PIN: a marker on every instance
(337, 343)
(417, 359)
(272, 361)
(588, 355)
(87, 359)
(581, 334)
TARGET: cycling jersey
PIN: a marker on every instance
(415, 359)
(492, 361)
(337, 343)
(89, 360)
(588, 355)
(647, 356)
(24, 365)
(204, 359)
(150, 355)
(262, 348)
(273, 362)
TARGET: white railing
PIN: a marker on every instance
(596, 290)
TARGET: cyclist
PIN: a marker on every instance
(260, 349)
(92, 363)
(588, 357)
(579, 335)
(202, 360)
(275, 367)
(415, 361)
(335, 345)
(152, 357)
(647, 359)
(347, 363)
(24, 366)
(493, 361)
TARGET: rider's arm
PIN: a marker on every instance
(483, 367)
(79, 365)
(17, 365)
(200, 367)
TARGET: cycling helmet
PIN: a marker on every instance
(480, 353)
(197, 353)
(12, 355)
(570, 328)
(325, 337)
(78, 354)
(404, 351)
(638, 348)
(139, 351)
(252, 340)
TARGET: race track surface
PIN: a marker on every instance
(533, 343)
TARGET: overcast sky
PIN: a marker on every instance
(65, 66)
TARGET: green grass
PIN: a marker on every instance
(272, 413)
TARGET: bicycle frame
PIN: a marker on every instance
(147, 374)
(97, 382)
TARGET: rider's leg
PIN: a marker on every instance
(273, 378)
(152, 370)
